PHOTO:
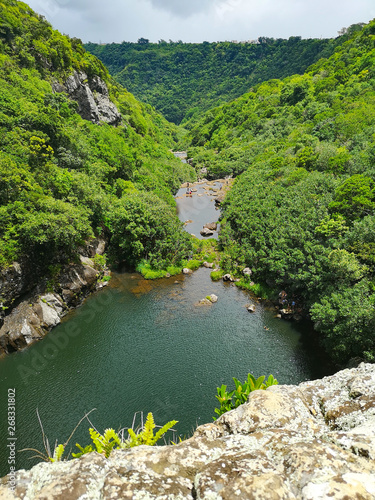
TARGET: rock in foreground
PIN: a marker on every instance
(312, 441)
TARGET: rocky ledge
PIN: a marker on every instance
(36, 309)
(312, 441)
(92, 97)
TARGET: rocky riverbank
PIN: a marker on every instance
(311, 441)
(33, 310)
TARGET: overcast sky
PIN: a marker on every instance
(199, 20)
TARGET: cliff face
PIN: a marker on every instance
(92, 97)
(312, 441)
(34, 308)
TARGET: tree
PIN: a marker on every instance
(355, 198)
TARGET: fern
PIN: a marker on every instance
(83, 451)
(110, 440)
(163, 430)
(146, 435)
(58, 453)
(105, 443)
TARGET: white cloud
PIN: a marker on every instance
(198, 20)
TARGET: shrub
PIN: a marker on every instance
(230, 400)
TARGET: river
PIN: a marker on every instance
(147, 346)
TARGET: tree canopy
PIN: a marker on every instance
(182, 80)
(301, 213)
(64, 179)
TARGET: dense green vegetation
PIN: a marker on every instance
(302, 212)
(182, 80)
(64, 179)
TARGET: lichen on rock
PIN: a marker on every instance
(287, 442)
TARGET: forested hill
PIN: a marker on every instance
(302, 213)
(65, 179)
(183, 79)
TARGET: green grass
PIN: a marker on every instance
(152, 274)
(258, 289)
(193, 264)
(217, 275)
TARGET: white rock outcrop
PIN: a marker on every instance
(312, 441)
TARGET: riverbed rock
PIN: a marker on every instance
(206, 232)
(228, 277)
(187, 271)
(208, 265)
(219, 198)
(286, 313)
(308, 442)
(212, 298)
(204, 302)
(211, 225)
(247, 271)
(251, 308)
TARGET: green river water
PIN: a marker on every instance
(147, 346)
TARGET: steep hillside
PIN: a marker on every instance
(182, 80)
(302, 213)
(79, 156)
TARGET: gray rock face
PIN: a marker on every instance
(92, 98)
(307, 442)
(38, 311)
(15, 281)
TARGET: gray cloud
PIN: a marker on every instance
(183, 8)
(199, 20)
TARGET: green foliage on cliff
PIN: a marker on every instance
(64, 179)
(182, 80)
(238, 396)
(301, 213)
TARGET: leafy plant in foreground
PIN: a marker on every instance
(230, 400)
(103, 443)
(146, 434)
(111, 440)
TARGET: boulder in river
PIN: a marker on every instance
(219, 198)
(211, 225)
(186, 271)
(251, 308)
(206, 232)
(209, 265)
(227, 277)
(212, 298)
